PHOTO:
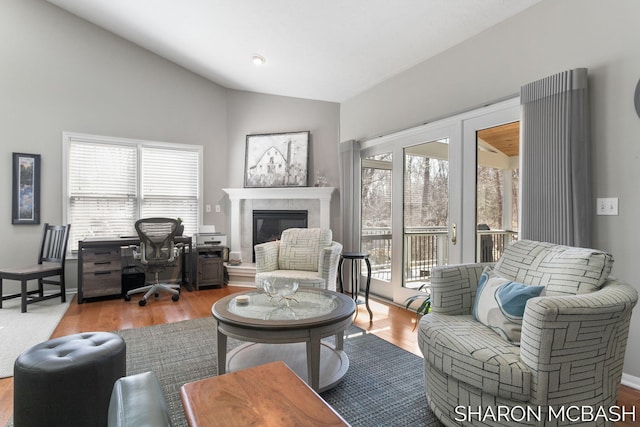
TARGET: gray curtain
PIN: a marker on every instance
(557, 202)
(349, 202)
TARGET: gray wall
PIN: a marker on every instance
(550, 37)
(60, 73)
(252, 113)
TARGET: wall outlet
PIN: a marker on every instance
(218, 208)
(607, 206)
(207, 208)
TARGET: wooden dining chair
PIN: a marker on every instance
(51, 259)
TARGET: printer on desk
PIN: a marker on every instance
(207, 237)
(211, 239)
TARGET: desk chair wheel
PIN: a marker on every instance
(127, 297)
(175, 297)
(142, 302)
(157, 294)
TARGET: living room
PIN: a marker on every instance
(61, 73)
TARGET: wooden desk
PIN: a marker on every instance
(100, 265)
(265, 395)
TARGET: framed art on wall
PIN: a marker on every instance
(277, 160)
(26, 189)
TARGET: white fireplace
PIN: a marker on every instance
(315, 200)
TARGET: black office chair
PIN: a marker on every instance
(156, 252)
(53, 251)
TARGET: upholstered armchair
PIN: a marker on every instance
(572, 337)
(307, 254)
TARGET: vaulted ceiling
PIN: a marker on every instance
(327, 50)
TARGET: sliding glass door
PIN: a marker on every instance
(405, 222)
(490, 180)
(497, 184)
(426, 210)
(419, 193)
(377, 218)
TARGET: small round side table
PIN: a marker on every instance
(356, 259)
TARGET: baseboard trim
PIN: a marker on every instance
(630, 381)
(242, 275)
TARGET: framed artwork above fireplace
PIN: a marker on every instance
(277, 160)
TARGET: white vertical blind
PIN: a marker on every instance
(112, 182)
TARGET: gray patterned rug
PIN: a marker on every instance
(383, 387)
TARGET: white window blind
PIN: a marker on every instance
(102, 190)
(170, 185)
(112, 182)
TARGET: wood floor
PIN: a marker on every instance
(391, 323)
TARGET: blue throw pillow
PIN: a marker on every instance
(500, 304)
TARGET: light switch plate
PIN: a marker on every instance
(607, 206)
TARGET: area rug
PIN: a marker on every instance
(20, 331)
(383, 387)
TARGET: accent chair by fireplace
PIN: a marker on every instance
(307, 254)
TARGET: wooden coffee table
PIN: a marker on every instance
(265, 395)
(286, 330)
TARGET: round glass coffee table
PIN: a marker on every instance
(288, 329)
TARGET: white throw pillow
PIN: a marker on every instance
(500, 304)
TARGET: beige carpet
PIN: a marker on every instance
(20, 331)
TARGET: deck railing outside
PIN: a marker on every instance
(377, 243)
(490, 244)
(426, 248)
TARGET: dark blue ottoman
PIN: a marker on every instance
(67, 381)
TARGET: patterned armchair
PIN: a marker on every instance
(306, 254)
(572, 338)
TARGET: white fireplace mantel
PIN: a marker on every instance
(236, 195)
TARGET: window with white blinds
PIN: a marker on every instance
(112, 182)
(170, 185)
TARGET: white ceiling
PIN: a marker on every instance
(328, 50)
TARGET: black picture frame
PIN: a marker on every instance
(277, 160)
(26, 189)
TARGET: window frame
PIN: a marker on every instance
(73, 137)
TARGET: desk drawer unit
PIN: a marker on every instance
(210, 270)
(101, 272)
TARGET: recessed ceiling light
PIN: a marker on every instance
(258, 59)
